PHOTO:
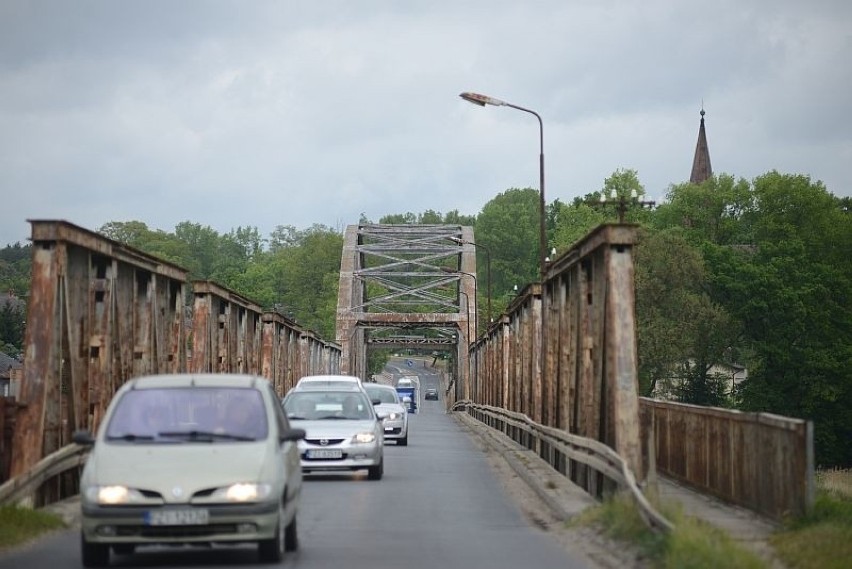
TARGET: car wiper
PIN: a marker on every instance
(130, 437)
(296, 418)
(325, 417)
(207, 436)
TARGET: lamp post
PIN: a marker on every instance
(483, 100)
(622, 203)
(488, 267)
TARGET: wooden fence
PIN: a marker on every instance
(759, 461)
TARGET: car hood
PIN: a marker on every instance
(192, 467)
(334, 429)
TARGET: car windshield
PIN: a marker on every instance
(383, 395)
(208, 414)
(327, 405)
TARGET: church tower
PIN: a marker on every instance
(701, 169)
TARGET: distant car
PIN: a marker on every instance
(191, 459)
(342, 429)
(391, 410)
(431, 393)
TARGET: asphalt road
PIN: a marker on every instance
(438, 505)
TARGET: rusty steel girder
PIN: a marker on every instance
(406, 277)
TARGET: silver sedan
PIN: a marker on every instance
(392, 410)
(342, 429)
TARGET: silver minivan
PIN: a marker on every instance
(191, 459)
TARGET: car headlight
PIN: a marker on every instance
(113, 495)
(394, 416)
(364, 438)
(243, 492)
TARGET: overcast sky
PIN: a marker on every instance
(267, 113)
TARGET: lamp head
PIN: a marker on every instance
(481, 100)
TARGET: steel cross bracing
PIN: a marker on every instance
(405, 277)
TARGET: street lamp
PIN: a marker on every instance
(622, 203)
(483, 100)
(488, 267)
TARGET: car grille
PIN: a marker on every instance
(175, 531)
(328, 442)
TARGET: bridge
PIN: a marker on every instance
(556, 372)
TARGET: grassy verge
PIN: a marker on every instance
(692, 545)
(823, 539)
(19, 525)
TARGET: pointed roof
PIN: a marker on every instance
(701, 169)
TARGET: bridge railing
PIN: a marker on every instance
(565, 448)
(760, 461)
(100, 313)
(564, 352)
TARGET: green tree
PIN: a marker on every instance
(508, 226)
(792, 290)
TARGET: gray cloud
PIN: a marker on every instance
(270, 113)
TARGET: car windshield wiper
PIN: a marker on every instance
(206, 436)
(324, 417)
(130, 437)
(296, 418)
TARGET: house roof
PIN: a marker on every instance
(6, 363)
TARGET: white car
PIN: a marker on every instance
(392, 410)
(342, 429)
(191, 459)
(328, 381)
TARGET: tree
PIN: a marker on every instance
(682, 333)
(508, 226)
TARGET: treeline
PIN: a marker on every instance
(730, 274)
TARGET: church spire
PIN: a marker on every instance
(701, 169)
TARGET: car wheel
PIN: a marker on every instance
(93, 554)
(375, 472)
(124, 548)
(272, 550)
(403, 442)
(291, 536)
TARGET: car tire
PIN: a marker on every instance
(93, 554)
(291, 536)
(375, 472)
(403, 442)
(124, 548)
(272, 550)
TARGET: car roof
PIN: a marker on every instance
(176, 380)
(329, 386)
(330, 377)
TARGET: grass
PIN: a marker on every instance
(19, 525)
(823, 539)
(692, 545)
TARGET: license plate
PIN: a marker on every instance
(325, 453)
(388, 429)
(186, 517)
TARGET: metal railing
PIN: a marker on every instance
(589, 452)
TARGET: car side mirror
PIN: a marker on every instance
(381, 417)
(293, 435)
(83, 437)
